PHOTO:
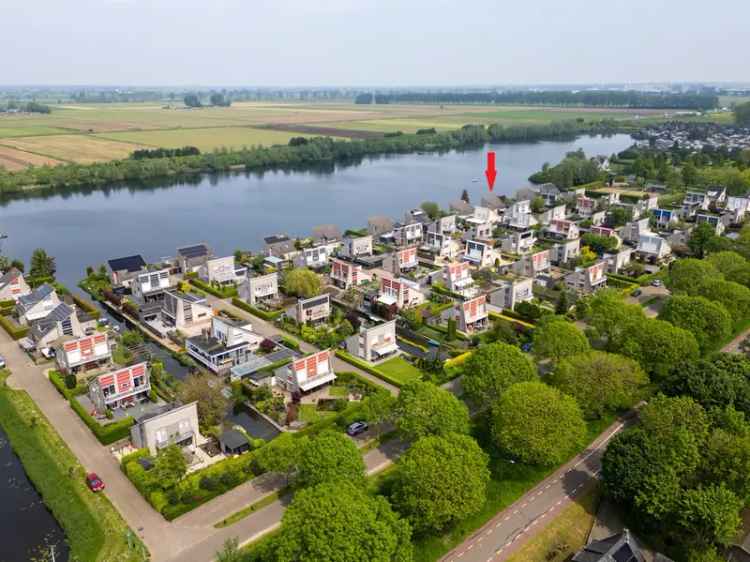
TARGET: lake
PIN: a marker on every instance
(230, 211)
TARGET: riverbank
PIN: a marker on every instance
(95, 530)
(297, 155)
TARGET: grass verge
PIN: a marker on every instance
(252, 508)
(400, 369)
(94, 528)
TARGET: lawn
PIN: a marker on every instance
(310, 414)
(564, 535)
(206, 139)
(508, 483)
(94, 528)
(400, 369)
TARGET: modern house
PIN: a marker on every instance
(326, 234)
(532, 265)
(471, 315)
(565, 250)
(399, 292)
(564, 229)
(379, 225)
(585, 206)
(653, 247)
(550, 193)
(62, 321)
(123, 270)
(182, 310)
(356, 246)
(665, 217)
(191, 258)
(227, 343)
(718, 222)
(407, 234)
(120, 388)
(170, 426)
(374, 342)
(37, 304)
(618, 260)
(443, 225)
(312, 310)
(557, 212)
(314, 257)
(441, 245)
(259, 288)
(307, 374)
(738, 206)
(510, 292)
(519, 242)
(279, 246)
(457, 278)
(632, 231)
(494, 202)
(82, 354)
(345, 274)
(695, 201)
(13, 285)
(401, 260)
(222, 271)
(149, 287)
(479, 254)
(587, 280)
(461, 208)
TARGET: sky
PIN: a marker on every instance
(372, 42)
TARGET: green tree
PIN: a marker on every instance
(537, 204)
(708, 321)
(732, 265)
(493, 368)
(742, 113)
(613, 320)
(440, 480)
(600, 244)
(301, 282)
(557, 338)
(330, 457)
(170, 467)
(339, 522)
(192, 100)
(432, 209)
(661, 348)
(42, 266)
(230, 552)
(700, 239)
(600, 381)
(689, 174)
(689, 275)
(423, 408)
(282, 454)
(537, 424)
(619, 216)
(563, 303)
(378, 407)
(709, 514)
(727, 460)
(207, 391)
(734, 297)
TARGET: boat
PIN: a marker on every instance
(475, 180)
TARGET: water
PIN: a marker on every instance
(233, 211)
(29, 529)
(253, 423)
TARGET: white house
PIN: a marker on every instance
(738, 206)
(314, 257)
(563, 229)
(13, 285)
(312, 310)
(407, 234)
(81, 354)
(588, 279)
(472, 315)
(374, 342)
(401, 260)
(532, 265)
(510, 292)
(191, 258)
(442, 245)
(355, 246)
(618, 260)
(565, 251)
(519, 242)
(120, 388)
(653, 247)
(307, 374)
(38, 304)
(172, 426)
(227, 343)
(150, 286)
(458, 279)
(346, 274)
(222, 271)
(479, 254)
(182, 310)
(123, 270)
(259, 288)
(400, 292)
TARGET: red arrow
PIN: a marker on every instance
(490, 172)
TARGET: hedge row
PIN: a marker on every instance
(87, 306)
(14, 329)
(223, 293)
(7, 305)
(341, 354)
(270, 316)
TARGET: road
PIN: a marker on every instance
(648, 293)
(509, 529)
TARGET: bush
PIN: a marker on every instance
(70, 382)
(15, 330)
(222, 293)
(106, 434)
(270, 316)
(341, 354)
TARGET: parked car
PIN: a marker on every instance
(637, 293)
(103, 322)
(2, 362)
(656, 283)
(94, 483)
(356, 428)
(47, 352)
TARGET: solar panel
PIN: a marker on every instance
(624, 554)
(128, 263)
(195, 251)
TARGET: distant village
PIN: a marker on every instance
(694, 137)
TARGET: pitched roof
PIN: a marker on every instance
(233, 439)
(9, 276)
(622, 547)
(326, 232)
(37, 295)
(195, 251)
(128, 263)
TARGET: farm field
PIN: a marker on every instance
(83, 149)
(13, 159)
(205, 139)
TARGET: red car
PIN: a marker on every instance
(94, 483)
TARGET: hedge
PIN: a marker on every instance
(223, 293)
(7, 305)
(341, 354)
(87, 306)
(270, 316)
(106, 434)
(15, 330)
(290, 342)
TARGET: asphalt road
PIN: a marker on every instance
(509, 529)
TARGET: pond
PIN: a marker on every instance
(255, 425)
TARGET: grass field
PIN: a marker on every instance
(400, 369)
(94, 528)
(565, 534)
(98, 132)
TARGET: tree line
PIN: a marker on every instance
(28, 107)
(593, 98)
(315, 151)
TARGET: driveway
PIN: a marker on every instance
(651, 299)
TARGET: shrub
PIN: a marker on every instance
(70, 382)
(220, 292)
(270, 316)
(15, 330)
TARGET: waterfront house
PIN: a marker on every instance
(123, 270)
(82, 354)
(471, 316)
(222, 271)
(345, 274)
(443, 225)
(416, 215)
(407, 234)
(315, 257)
(531, 265)
(167, 426)
(279, 246)
(373, 343)
(259, 288)
(183, 310)
(550, 193)
(13, 285)
(311, 311)
(191, 258)
(441, 245)
(149, 287)
(399, 292)
(510, 292)
(587, 280)
(307, 374)
(479, 254)
(461, 208)
(401, 260)
(494, 202)
(379, 225)
(62, 321)
(325, 234)
(37, 304)
(357, 246)
(120, 388)
(227, 343)
(457, 278)
(564, 251)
